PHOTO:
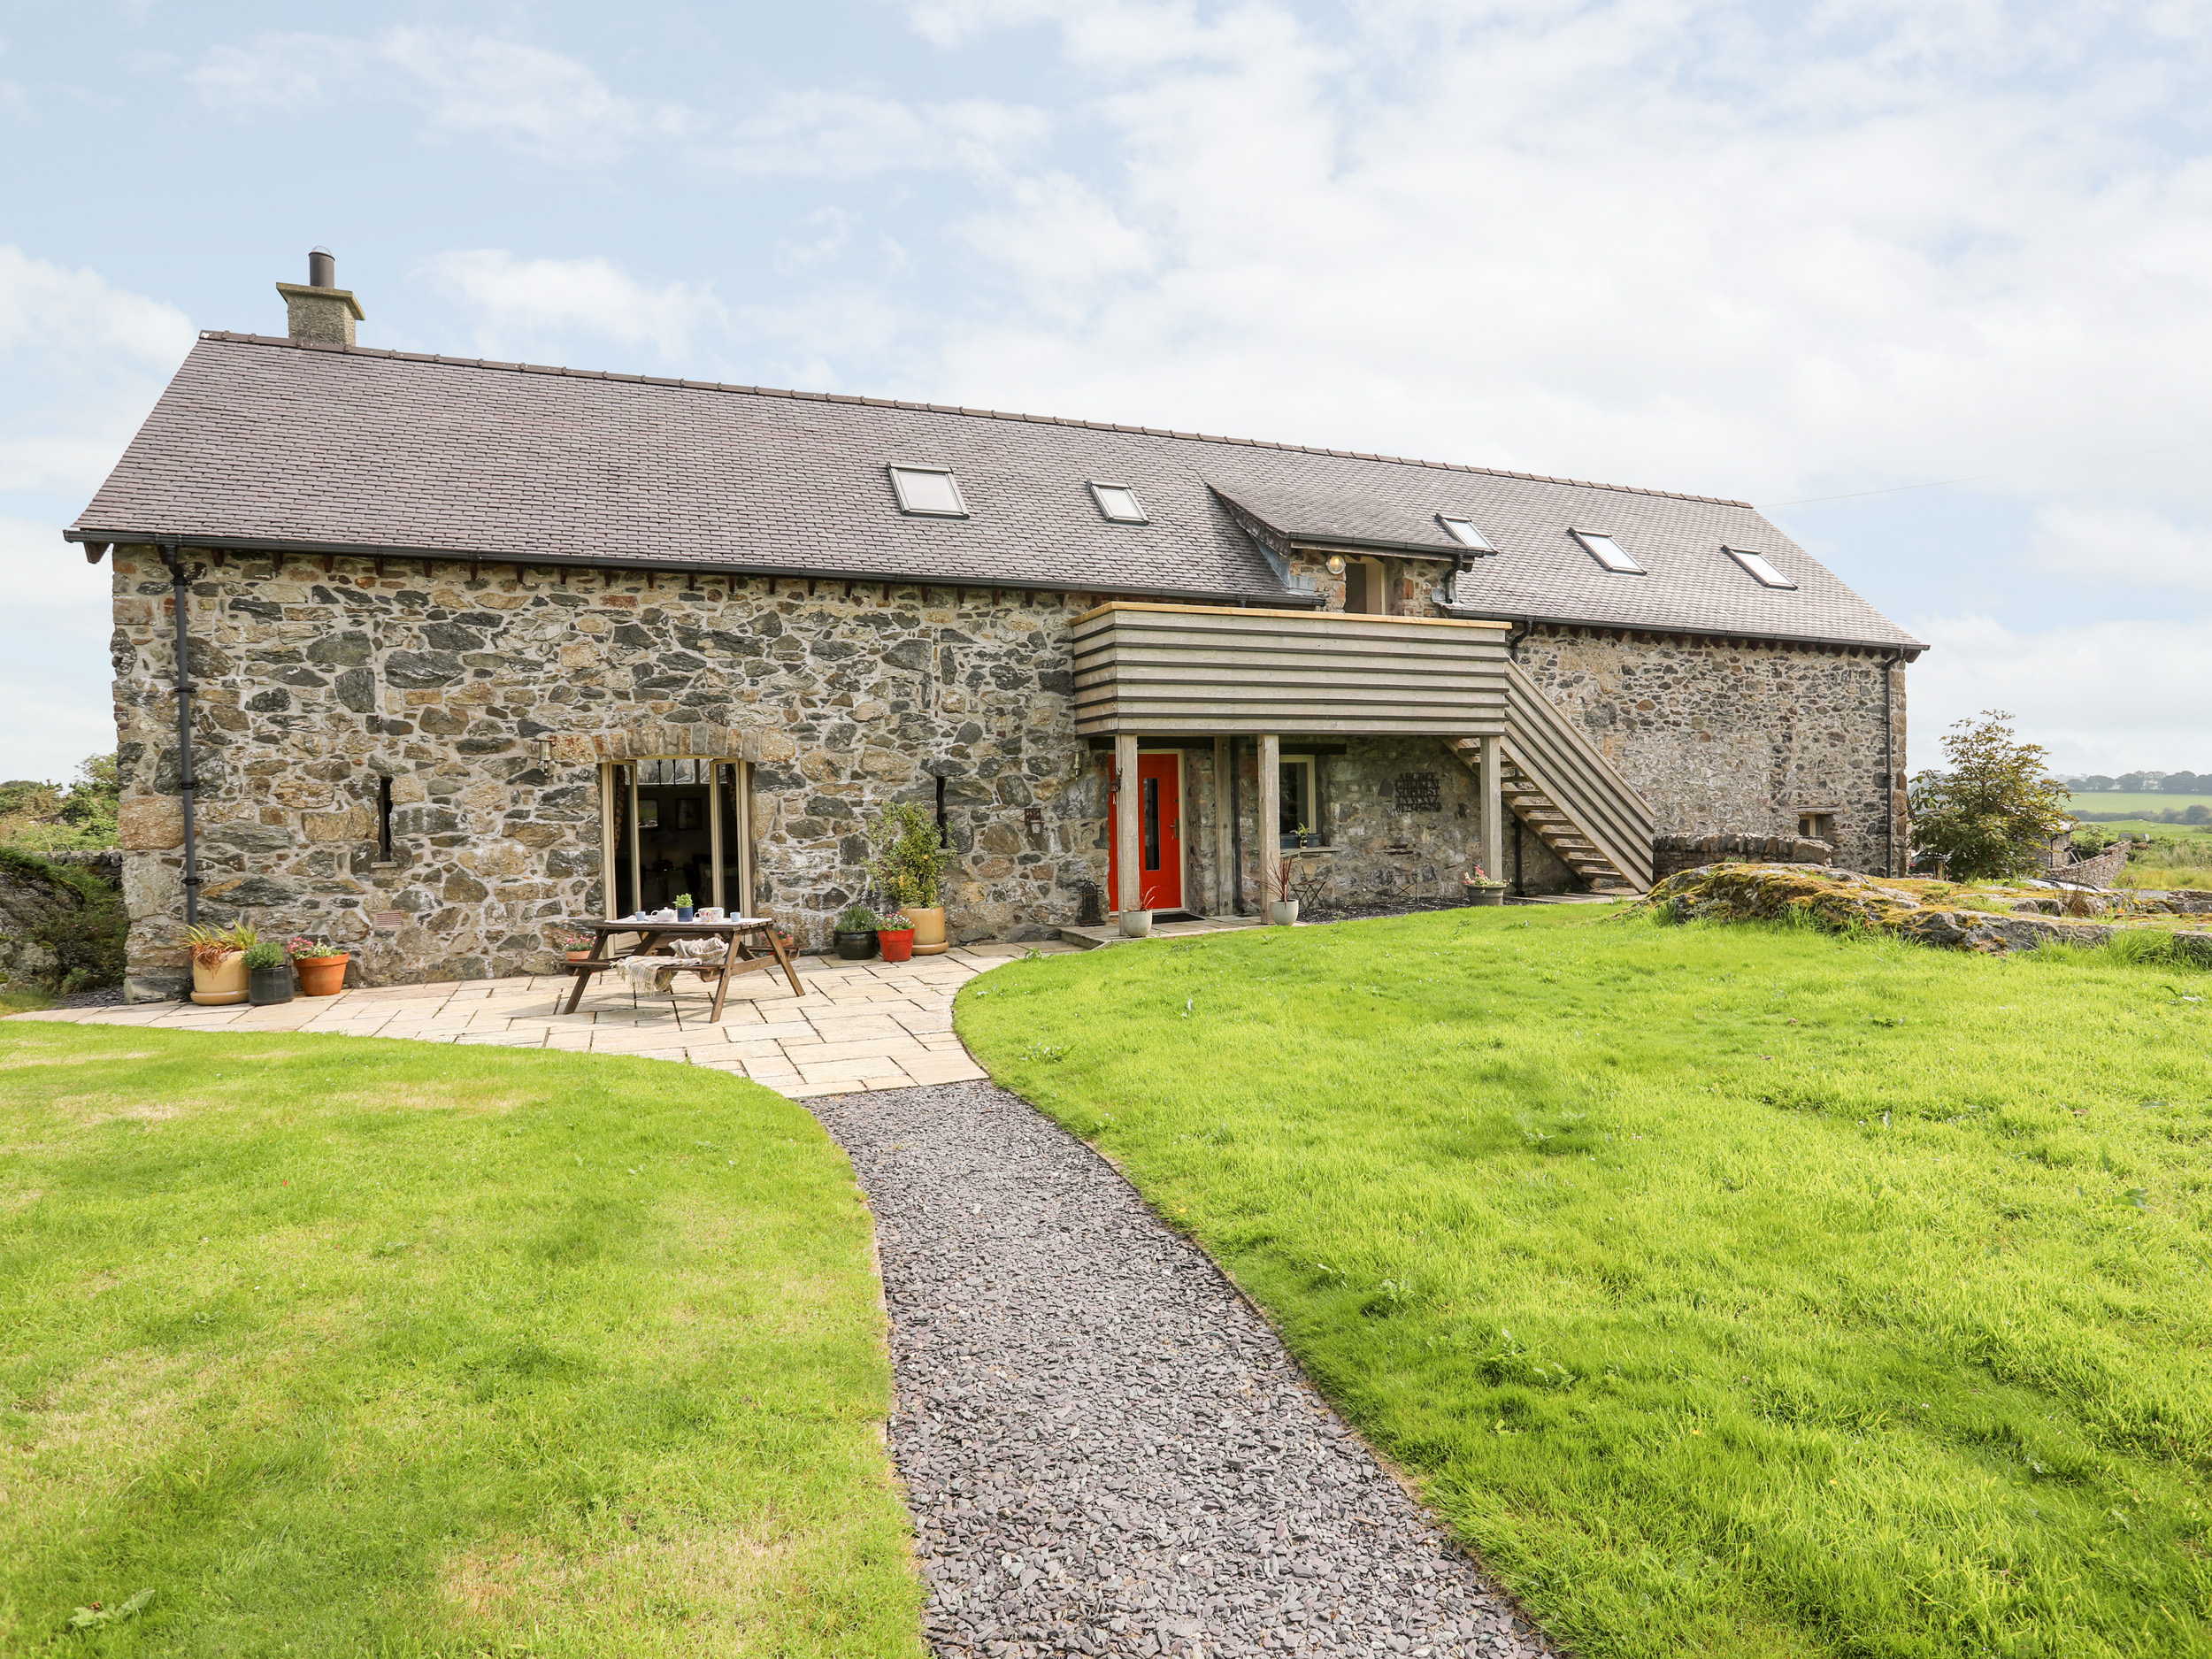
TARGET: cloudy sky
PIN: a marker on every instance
(1929, 278)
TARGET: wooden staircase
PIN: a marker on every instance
(1554, 780)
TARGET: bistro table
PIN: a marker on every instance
(738, 957)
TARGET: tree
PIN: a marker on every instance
(44, 818)
(1994, 812)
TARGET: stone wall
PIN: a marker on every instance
(1735, 737)
(489, 699)
(1672, 855)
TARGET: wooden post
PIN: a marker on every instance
(1225, 892)
(714, 833)
(1127, 801)
(1493, 809)
(1270, 836)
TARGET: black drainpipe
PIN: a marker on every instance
(178, 588)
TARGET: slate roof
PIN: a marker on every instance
(268, 442)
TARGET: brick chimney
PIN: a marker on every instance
(320, 311)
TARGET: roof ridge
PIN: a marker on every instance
(231, 337)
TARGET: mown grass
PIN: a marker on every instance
(1731, 1289)
(342, 1347)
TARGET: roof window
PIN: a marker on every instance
(929, 492)
(1608, 552)
(1463, 532)
(1118, 502)
(1762, 571)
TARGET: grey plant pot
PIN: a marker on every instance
(1485, 895)
(854, 947)
(1282, 912)
(264, 985)
(1136, 923)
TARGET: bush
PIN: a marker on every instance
(86, 929)
(1993, 815)
(911, 854)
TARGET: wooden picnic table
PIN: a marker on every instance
(738, 958)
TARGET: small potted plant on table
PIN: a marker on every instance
(685, 909)
(910, 862)
(321, 964)
(1481, 889)
(855, 935)
(268, 972)
(219, 963)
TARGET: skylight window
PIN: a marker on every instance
(930, 492)
(1463, 532)
(1119, 503)
(1608, 552)
(1761, 570)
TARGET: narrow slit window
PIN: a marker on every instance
(1760, 567)
(1463, 532)
(929, 492)
(1608, 552)
(384, 820)
(1118, 502)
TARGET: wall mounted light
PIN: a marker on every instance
(1336, 565)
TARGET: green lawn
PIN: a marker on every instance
(1731, 1290)
(346, 1347)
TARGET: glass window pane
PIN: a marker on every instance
(1151, 823)
(928, 492)
(1463, 532)
(1760, 567)
(1118, 502)
(1608, 553)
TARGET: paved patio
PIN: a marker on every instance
(860, 1025)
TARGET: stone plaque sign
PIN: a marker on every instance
(1420, 792)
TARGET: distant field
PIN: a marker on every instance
(2092, 800)
(2137, 827)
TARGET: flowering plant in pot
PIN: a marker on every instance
(908, 867)
(218, 962)
(574, 943)
(321, 964)
(1481, 889)
(854, 937)
(268, 973)
(895, 934)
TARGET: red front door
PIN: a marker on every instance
(1157, 800)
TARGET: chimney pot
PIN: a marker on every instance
(320, 312)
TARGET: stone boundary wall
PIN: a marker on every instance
(1735, 737)
(1672, 855)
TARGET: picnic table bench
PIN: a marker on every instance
(737, 957)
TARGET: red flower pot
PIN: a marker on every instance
(898, 944)
(322, 976)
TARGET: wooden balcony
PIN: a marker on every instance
(1169, 670)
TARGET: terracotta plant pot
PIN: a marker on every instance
(265, 985)
(1282, 912)
(579, 955)
(322, 976)
(854, 947)
(898, 942)
(1136, 923)
(929, 930)
(224, 981)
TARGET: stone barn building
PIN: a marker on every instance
(467, 649)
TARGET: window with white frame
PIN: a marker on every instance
(1761, 568)
(1118, 502)
(1463, 532)
(929, 492)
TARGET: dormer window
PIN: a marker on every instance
(1118, 502)
(1463, 532)
(1762, 571)
(928, 492)
(1608, 552)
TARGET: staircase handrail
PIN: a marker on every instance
(1604, 808)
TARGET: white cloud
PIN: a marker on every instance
(2120, 543)
(83, 362)
(520, 301)
(836, 226)
(2101, 696)
(53, 653)
(849, 134)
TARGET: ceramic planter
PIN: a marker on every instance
(1282, 912)
(264, 985)
(685, 912)
(898, 944)
(221, 982)
(1136, 923)
(854, 947)
(322, 976)
(1485, 895)
(929, 930)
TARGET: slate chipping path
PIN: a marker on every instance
(1105, 1449)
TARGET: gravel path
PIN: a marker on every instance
(1106, 1450)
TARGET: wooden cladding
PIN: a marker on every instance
(1171, 669)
